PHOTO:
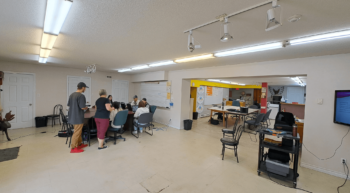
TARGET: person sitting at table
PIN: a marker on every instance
(135, 101)
(103, 109)
(146, 103)
(115, 111)
(122, 106)
(128, 106)
(110, 98)
(141, 110)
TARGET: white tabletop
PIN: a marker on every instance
(233, 107)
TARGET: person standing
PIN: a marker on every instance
(77, 106)
(103, 108)
(110, 98)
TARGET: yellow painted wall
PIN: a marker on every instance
(198, 83)
(194, 95)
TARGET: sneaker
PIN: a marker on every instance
(141, 131)
(104, 147)
(82, 146)
(134, 132)
(76, 150)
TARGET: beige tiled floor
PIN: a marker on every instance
(170, 161)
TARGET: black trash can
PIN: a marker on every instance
(41, 121)
(187, 124)
(195, 115)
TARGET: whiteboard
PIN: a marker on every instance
(217, 95)
(156, 93)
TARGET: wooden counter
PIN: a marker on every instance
(297, 109)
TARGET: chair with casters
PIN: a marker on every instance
(152, 109)
(55, 115)
(266, 118)
(144, 121)
(90, 129)
(255, 122)
(232, 142)
(117, 126)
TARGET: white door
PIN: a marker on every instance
(72, 83)
(17, 96)
(120, 90)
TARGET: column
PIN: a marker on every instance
(263, 102)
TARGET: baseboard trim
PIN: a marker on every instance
(330, 172)
(166, 124)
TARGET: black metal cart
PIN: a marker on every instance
(293, 172)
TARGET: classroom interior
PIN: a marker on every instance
(210, 69)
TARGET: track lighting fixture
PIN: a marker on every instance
(226, 37)
(272, 22)
(191, 46)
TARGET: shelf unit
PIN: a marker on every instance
(293, 172)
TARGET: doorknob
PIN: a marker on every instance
(30, 104)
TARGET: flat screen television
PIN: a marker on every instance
(342, 107)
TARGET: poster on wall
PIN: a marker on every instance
(199, 108)
(209, 91)
(200, 90)
(200, 99)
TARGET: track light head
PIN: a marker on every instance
(226, 37)
(191, 45)
(272, 22)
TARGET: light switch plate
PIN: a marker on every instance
(319, 101)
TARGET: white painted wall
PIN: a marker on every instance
(325, 74)
(150, 76)
(51, 83)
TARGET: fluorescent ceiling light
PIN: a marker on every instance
(56, 13)
(42, 60)
(227, 82)
(195, 58)
(213, 80)
(44, 53)
(48, 41)
(162, 63)
(140, 67)
(250, 49)
(124, 70)
(317, 38)
(233, 83)
(241, 84)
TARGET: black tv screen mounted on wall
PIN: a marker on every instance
(342, 107)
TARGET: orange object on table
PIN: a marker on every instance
(242, 104)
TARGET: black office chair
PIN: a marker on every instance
(152, 109)
(64, 120)
(266, 118)
(55, 115)
(118, 124)
(144, 121)
(255, 122)
(232, 141)
(284, 121)
(89, 130)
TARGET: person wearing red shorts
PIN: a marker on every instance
(103, 108)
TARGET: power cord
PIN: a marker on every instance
(334, 151)
(268, 173)
(347, 175)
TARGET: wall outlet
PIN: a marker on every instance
(343, 160)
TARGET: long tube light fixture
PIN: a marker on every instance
(124, 70)
(56, 13)
(214, 80)
(250, 49)
(194, 58)
(140, 67)
(226, 82)
(323, 37)
(162, 63)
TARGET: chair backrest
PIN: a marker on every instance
(63, 117)
(267, 115)
(70, 128)
(253, 107)
(228, 103)
(152, 109)
(238, 133)
(120, 118)
(286, 118)
(145, 118)
(56, 109)
(235, 103)
(259, 118)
